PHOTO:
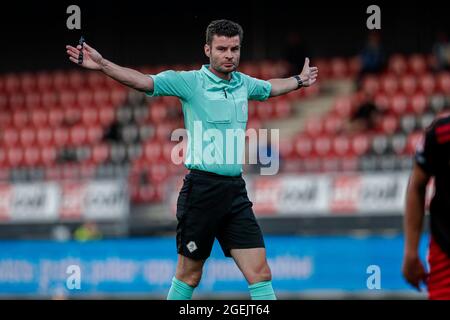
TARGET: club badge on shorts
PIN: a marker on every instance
(191, 246)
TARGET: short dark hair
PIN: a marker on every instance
(225, 28)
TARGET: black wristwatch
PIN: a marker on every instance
(299, 82)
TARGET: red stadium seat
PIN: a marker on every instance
(27, 82)
(20, 118)
(32, 100)
(163, 131)
(341, 145)
(418, 103)
(100, 153)
(106, 116)
(322, 146)
(72, 115)
(360, 144)
(67, 98)
(417, 64)
(399, 104)
(303, 146)
(118, 96)
(286, 148)
(397, 64)
(354, 66)
(60, 136)
(48, 155)
(84, 98)
(264, 110)
(5, 119)
(427, 84)
(89, 116)
(3, 101)
(339, 68)
(95, 80)
(152, 151)
(43, 81)
(39, 118)
(49, 99)
(389, 124)
(333, 124)
(444, 82)
(44, 136)
(10, 136)
(12, 83)
(14, 157)
(343, 106)
(408, 84)
(27, 137)
(101, 97)
(389, 84)
(55, 117)
(382, 101)
(282, 108)
(16, 100)
(77, 135)
(76, 80)
(370, 84)
(94, 134)
(314, 126)
(158, 112)
(158, 172)
(60, 80)
(31, 157)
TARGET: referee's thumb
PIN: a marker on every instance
(306, 65)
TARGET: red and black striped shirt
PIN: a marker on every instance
(433, 156)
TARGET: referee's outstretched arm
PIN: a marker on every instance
(306, 78)
(413, 269)
(94, 61)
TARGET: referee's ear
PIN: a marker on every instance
(208, 50)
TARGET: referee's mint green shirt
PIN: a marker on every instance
(215, 115)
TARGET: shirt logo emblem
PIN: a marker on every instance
(244, 108)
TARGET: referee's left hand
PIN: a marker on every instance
(308, 74)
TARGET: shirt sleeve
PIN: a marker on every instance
(258, 89)
(426, 151)
(180, 84)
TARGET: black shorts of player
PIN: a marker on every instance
(213, 206)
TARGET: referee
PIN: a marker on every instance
(213, 201)
(432, 160)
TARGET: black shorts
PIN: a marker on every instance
(213, 206)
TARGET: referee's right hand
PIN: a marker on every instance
(91, 58)
(414, 271)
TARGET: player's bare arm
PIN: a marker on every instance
(93, 60)
(413, 269)
(308, 76)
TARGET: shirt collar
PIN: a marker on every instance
(213, 77)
